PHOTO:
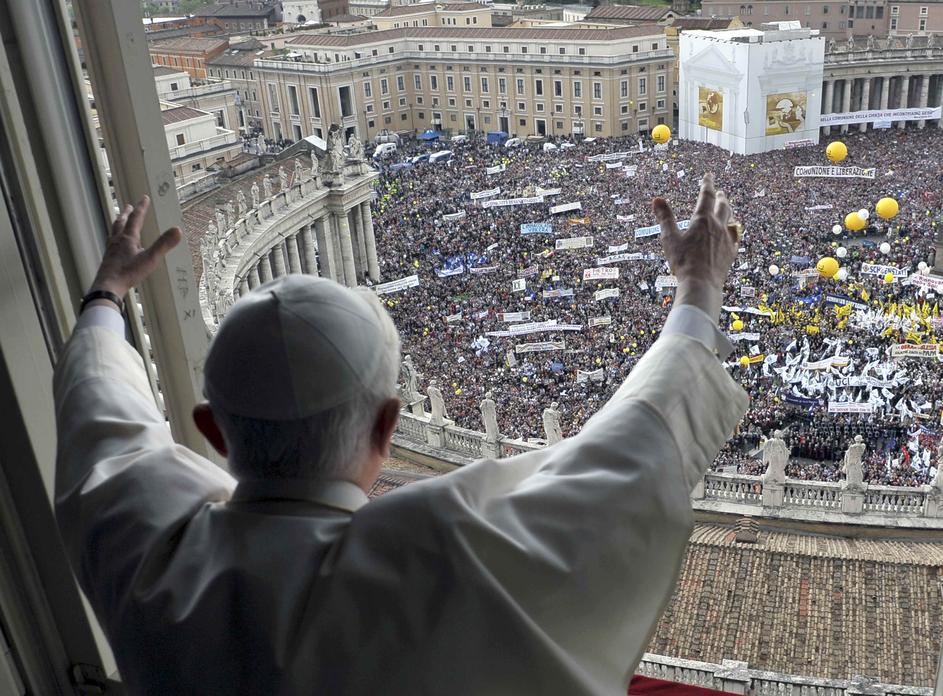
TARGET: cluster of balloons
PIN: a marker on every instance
(661, 134)
(886, 209)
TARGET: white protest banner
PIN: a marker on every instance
(823, 206)
(606, 293)
(496, 169)
(914, 114)
(527, 272)
(792, 144)
(455, 216)
(617, 248)
(634, 256)
(665, 281)
(850, 407)
(749, 310)
(881, 270)
(835, 172)
(661, 147)
(446, 272)
(621, 201)
(532, 328)
(613, 165)
(539, 347)
(652, 230)
(631, 170)
(747, 291)
(561, 292)
(913, 350)
(574, 243)
(823, 364)
(452, 318)
(625, 218)
(680, 173)
(806, 273)
(600, 321)
(484, 269)
(664, 165)
(608, 157)
(506, 202)
(397, 285)
(600, 273)
(485, 194)
(744, 336)
(592, 376)
(515, 316)
(925, 281)
(518, 285)
(536, 228)
(547, 192)
(565, 207)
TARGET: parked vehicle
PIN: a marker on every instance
(513, 142)
(497, 138)
(385, 150)
(458, 139)
(440, 157)
(385, 136)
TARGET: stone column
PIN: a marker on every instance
(254, 280)
(265, 269)
(357, 214)
(904, 98)
(244, 287)
(846, 101)
(278, 261)
(885, 91)
(308, 251)
(294, 260)
(373, 268)
(865, 102)
(827, 99)
(357, 244)
(924, 97)
(347, 248)
(326, 256)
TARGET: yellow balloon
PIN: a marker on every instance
(855, 222)
(523, 379)
(827, 266)
(661, 134)
(744, 361)
(737, 325)
(836, 151)
(888, 277)
(458, 392)
(887, 208)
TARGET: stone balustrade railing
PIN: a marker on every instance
(737, 678)
(733, 494)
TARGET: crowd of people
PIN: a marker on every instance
(796, 350)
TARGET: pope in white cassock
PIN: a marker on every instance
(540, 574)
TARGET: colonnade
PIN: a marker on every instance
(889, 91)
(340, 245)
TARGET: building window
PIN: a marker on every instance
(485, 87)
(181, 139)
(557, 88)
(417, 82)
(869, 12)
(384, 86)
(562, 51)
(502, 85)
(660, 104)
(296, 131)
(488, 48)
(400, 83)
(642, 86)
(923, 11)
(485, 104)
(523, 122)
(523, 49)
(468, 102)
(449, 83)
(273, 98)
(434, 82)
(315, 102)
(466, 83)
(825, 25)
(581, 51)
(386, 106)
(597, 126)
(543, 49)
(851, 23)
(369, 108)
(597, 111)
(347, 104)
(895, 10)
(402, 101)
(879, 12)
(520, 87)
(451, 101)
(625, 108)
(660, 84)
(540, 107)
(371, 123)
(824, 9)
(558, 108)
(923, 25)
(577, 90)
(597, 90)
(506, 49)
(785, 9)
(808, 10)
(624, 89)
(521, 106)
(539, 88)
(367, 90)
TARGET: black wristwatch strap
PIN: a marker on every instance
(102, 295)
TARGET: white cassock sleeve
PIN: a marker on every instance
(583, 541)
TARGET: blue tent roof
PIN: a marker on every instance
(430, 135)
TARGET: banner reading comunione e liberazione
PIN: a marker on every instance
(827, 172)
(915, 114)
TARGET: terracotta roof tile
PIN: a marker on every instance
(180, 113)
(628, 12)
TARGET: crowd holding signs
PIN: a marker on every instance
(823, 358)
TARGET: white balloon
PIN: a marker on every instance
(841, 252)
(836, 229)
(922, 266)
(774, 270)
(864, 213)
(885, 248)
(842, 274)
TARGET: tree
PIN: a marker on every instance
(191, 6)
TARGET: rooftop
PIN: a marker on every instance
(483, 33)
(189, 43)
(235, 11)
(629, 12)
(418, 8)
(685, 23)
(160, 70)
(181, 113)
(242, 59)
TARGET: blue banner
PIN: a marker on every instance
(536, 228)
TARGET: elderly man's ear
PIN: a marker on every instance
(206, 424)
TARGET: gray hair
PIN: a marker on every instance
(328, 445)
